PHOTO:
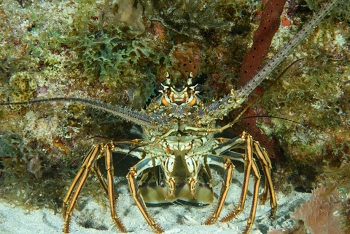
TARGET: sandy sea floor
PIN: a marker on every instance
(95, 218)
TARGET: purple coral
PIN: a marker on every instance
(319, 213)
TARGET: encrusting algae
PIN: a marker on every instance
(117, 51)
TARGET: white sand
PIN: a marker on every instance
(173, 219)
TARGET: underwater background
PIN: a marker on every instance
(118, 51)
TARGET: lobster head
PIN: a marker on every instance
(179, 93)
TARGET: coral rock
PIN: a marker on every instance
(187, 59)
(130, 15)
(319, 213)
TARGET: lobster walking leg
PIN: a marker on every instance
(268, 186)
(132, 175)
(229, 167)
(74, 190)
(231, 149)
(249, 165)
(89, 164)
(110, 187)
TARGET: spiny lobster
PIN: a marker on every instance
(179, 145)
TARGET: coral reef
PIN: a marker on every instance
(22, 86)
(116, 51)
(185, 58)
(191, 18)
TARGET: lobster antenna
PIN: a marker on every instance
(243, 92)
(122, 112)
(274, 117)
(252, 102)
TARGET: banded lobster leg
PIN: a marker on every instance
(89, 164)
(134, 171)
(96, 152)
(252, 151)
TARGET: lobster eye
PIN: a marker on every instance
(198, 88)
(159, 87)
